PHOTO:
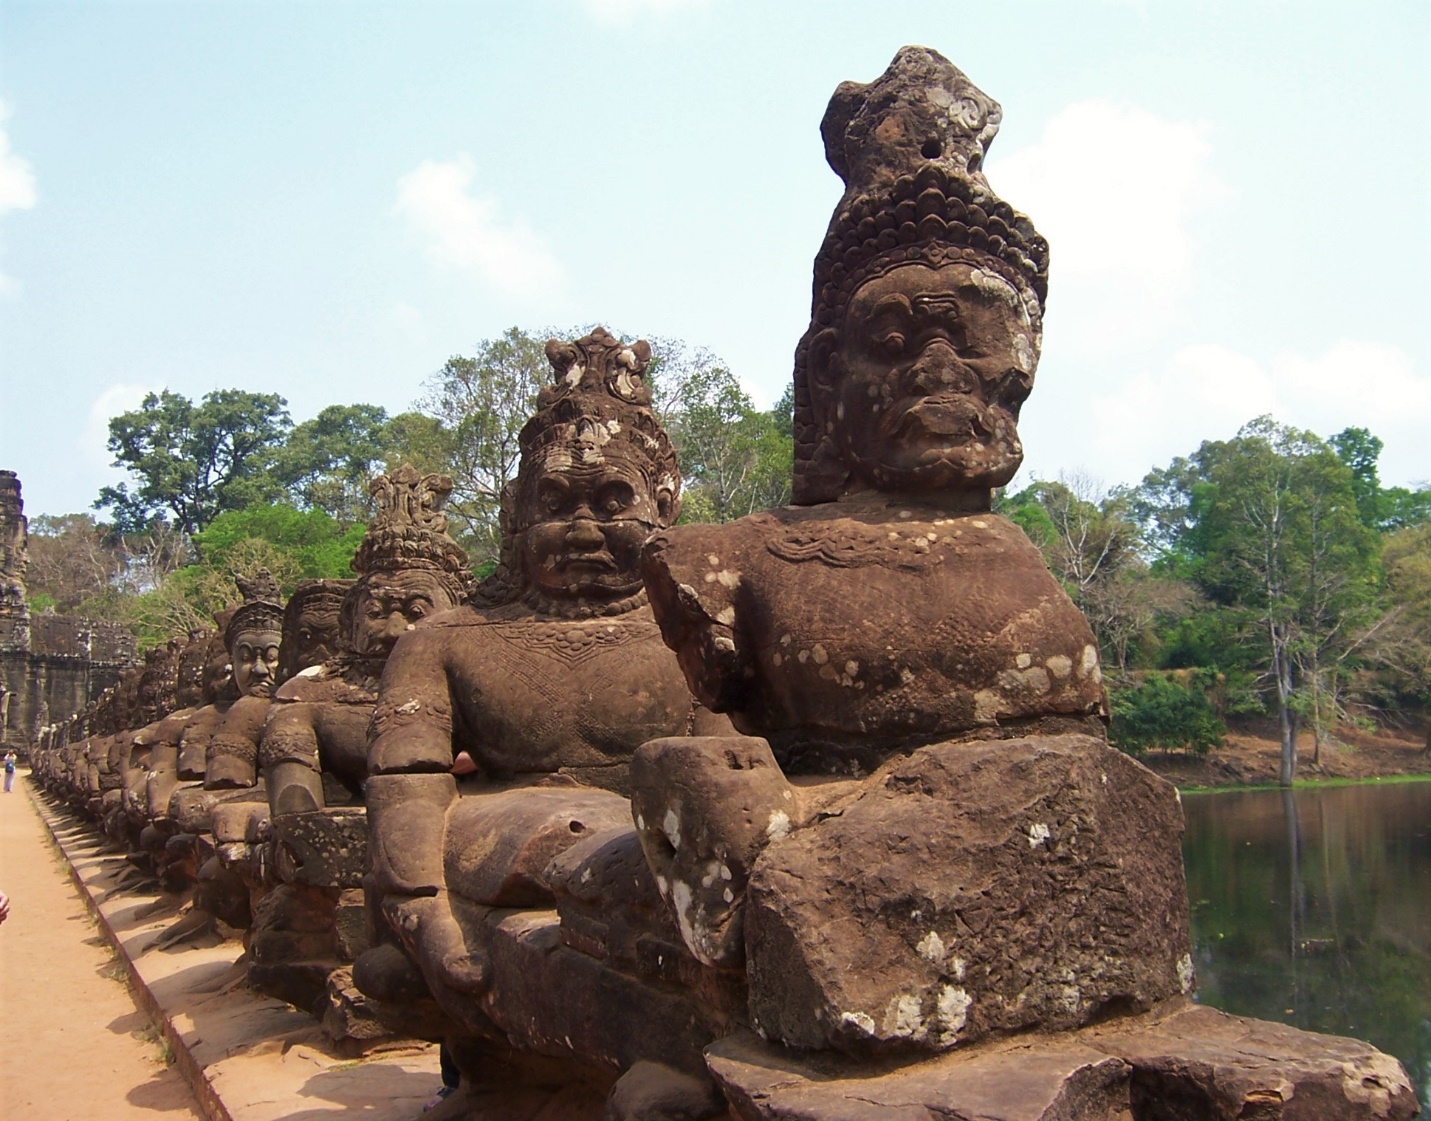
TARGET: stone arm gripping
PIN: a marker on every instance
(409, 791)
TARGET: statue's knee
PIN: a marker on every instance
(705, 807)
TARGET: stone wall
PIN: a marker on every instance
(51, 666)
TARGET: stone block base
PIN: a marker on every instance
(1179, 1062)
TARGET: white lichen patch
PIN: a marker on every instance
(957, 966)
(1060, 665)
(1038, 834)
(1069, 998)
(951, 1013)
(988, 705)
(1023, 661)
(978, 524)
(903, 1018)
(1089, 661)
(858, 1020)
(819, 654)
(931, 948)
(712, 559)
(671, 823)
(726, 615)
(728, 579)
(906, 675)
(1186, 974)
(778, 826)
(693, 933)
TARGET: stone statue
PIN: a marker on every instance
(408, 569)
(253, 638)
(311, 627)
(314, 752)
(922, 839)
(504, 729)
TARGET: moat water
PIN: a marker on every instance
(1313, 908)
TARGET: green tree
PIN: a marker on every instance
(1160, 711)
(1094, 545)
(1268, 527)
(192, 462)
(734, 458)
(1404, 646)
(326, 463)
(482, 402)
(292, 544)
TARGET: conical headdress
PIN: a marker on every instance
(910, 147)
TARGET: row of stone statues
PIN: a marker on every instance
(686, 821)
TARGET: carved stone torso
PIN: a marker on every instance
(844, 632)
(537, 694)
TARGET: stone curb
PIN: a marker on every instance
(283, 1097)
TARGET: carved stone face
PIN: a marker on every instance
(582, 537)
(387, 604)
(924, 380)
(218, 670)
(254, 655)
(311, 638)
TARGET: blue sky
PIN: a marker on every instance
(328, 199)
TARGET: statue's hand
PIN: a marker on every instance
(433, 937)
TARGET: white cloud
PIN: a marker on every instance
(17, 183)
(94, 439)
(467, 230)
(624, 11)
(1112, 187)
(1207, 392)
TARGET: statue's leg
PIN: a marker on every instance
(704, 807)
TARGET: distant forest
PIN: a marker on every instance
(1270, 574)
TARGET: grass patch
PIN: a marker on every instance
(1310, 784)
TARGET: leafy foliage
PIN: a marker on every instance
(192, 462)
(1165, 713)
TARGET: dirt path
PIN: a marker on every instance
(73, 1046)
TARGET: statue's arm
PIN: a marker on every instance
(696, 601)
(409, 790)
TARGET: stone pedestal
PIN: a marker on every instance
(1179, 1062)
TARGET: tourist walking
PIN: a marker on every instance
(10, 762)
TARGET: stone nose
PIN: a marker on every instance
(394, 626)
(939, 370)
(585, 534)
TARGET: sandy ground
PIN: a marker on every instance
(1251, 755)
(73, 1044)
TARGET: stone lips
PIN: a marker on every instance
(974, 889)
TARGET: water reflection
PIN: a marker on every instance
(1313, 908)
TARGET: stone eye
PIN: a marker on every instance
(417, 608)
(893, 344)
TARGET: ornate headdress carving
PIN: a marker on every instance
(910, 148)
(600, 402)
(409, 530)
(262, 607)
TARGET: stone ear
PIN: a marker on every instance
(819, 358)
(668, 507)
